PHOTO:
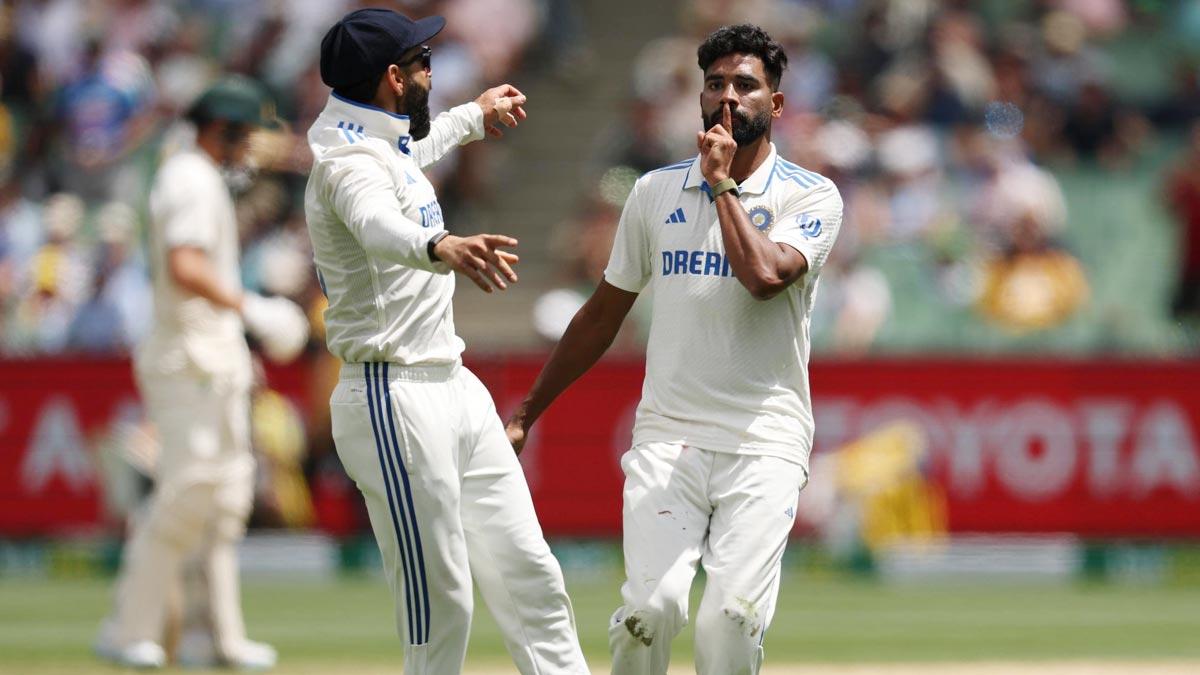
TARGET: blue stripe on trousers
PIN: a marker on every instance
(408, 516)
(388, 481)
(416, 532)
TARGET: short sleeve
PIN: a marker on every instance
(189, 208)
(810, 224)
(629, 264)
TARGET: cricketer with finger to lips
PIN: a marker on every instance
(732, 242)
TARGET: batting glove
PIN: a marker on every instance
(278, 324)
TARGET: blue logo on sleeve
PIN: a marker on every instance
(810, 227)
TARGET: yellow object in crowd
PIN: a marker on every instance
(1033, 290)
(280, 441)
(883, 473)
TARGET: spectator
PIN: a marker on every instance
(102, 117)
(1035, 284)
(1183, 199)
(882, 96)
(856, 301)
(583, 245)
(909, 158)
(54, 285)
(96, 327)
(125, 284)
(1096, 127)
(19, 81)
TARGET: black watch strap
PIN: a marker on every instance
(433, 241)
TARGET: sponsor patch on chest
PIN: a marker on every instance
(695, 263)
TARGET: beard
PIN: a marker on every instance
(416, 106)
(746, 128)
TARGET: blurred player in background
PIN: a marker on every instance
(732, 243)
(194, 373)
(416, 431)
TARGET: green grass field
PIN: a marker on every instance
(347, 627)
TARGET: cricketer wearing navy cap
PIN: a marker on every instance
(418, 433)
(366, 41)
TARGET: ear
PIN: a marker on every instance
(395, 79)
(777, 104)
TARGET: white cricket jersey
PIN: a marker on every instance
(724, 372)
(190, 205)
(371, 213)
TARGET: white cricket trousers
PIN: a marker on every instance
(448, 501)
(685, 506)
(203, 492)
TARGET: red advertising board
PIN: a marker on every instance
(55, 418)
(1094, 448)
(1097, 449)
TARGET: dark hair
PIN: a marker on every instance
(364, 91)
(744, 39)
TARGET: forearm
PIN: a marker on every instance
(458, 126)
(755, 260)
(391, 237)
(584, 342)
(193, 273)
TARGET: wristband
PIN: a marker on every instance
(725, 185)
(433, 241)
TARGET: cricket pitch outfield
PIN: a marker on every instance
(824, 626)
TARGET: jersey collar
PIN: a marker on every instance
(356, 119)
(756, 184)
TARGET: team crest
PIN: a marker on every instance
(810, 228)
(762, 218)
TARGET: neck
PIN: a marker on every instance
(749, 157)
(386, 100)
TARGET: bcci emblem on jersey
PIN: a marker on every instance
(762, 218)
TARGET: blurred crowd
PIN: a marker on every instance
(90, 95)
(944, 124)
(947, 125)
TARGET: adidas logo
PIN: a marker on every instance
(676, 217)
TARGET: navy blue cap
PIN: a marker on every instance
(366, 41)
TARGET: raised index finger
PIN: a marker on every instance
(726, 118)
